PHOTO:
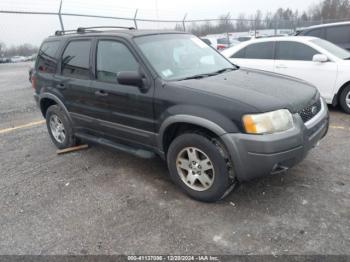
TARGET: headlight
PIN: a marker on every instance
(268, 123)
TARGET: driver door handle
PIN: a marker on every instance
(61, 86)
(101, 93)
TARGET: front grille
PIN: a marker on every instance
(310, 111)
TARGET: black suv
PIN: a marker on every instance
(170, 94)
(337, 33)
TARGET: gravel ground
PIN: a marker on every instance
(99, 201)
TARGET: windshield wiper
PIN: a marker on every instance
(222, 71)
(347, 58)
(196, 76)
(199, 76)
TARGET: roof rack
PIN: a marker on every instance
(81, 30)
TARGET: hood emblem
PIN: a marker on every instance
(314, 110)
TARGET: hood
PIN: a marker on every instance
(262, 90)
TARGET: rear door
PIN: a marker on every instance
(74, 81)
(295, 59)
(257, 56)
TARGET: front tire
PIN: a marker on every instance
(345, 99)
(59, 127)
(199, 166)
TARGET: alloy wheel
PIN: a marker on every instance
(57, 128)
(195, 168)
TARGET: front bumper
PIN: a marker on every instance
(258, 155)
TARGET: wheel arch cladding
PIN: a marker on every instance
(173, 123)
(47, 100)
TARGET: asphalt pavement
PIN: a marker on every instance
(100, 201)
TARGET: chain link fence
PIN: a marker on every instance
(28, 27)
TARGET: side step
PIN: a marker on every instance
(105, 142)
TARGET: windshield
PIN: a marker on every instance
(180, 56)
(224, 41)
(332, 48)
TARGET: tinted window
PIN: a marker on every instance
(239, 54)
(206, 41)
(224, 41)
(315, 33)
(75, 59)
(47, 61)
(260, 51)
(243, 38)
(294, 51)
(113, 57)
(338, 35)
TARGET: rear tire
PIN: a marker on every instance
(199, 167)
(345, 99)
(59, 127)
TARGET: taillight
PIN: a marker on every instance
(220, 47)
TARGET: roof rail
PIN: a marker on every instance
(81, 30)
(91, 28)
(61, 32)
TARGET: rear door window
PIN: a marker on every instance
(75, 59)
(47, 60)
(239, 54)
(338, 34)
(287, 50)
(260, 51)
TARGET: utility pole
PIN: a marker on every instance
(135, 21)
(184, 23)
(157, 14)
(228, 20)
(60, 16)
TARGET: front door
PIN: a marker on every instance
(130, 110)
(295, 59)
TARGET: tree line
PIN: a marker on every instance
(20, 50)
(326, 11)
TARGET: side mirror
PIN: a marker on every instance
(130, 78)
(320, 58)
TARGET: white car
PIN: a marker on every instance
(311, 59)
(17, 59)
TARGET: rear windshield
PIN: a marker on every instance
(332, 48)
(47, 60)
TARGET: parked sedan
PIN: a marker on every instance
(224, 43)
(17, 59)
(312, 59)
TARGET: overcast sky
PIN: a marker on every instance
(16, 29)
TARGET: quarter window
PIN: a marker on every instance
(260, 51)
(75, 59)
(47, 60)
(294, 51)
(239, 54)
(113, 57)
